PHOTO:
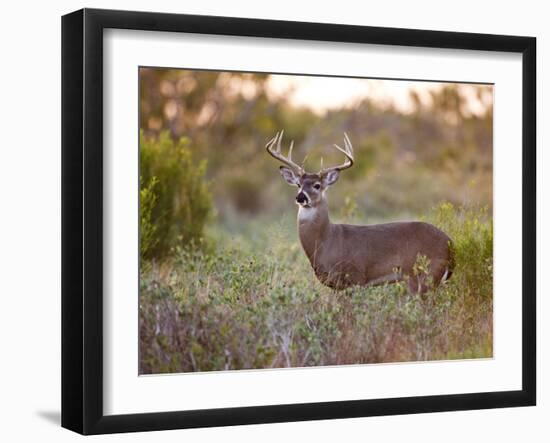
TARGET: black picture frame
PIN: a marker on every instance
(82, 219)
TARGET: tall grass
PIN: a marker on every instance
(249, 299)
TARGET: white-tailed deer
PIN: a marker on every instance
(344, 255)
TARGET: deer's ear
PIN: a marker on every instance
(331, 177)
(290, 177)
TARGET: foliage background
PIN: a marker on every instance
(213, 203)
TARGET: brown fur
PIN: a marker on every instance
(344, 255)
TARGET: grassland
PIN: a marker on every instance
(247, 298)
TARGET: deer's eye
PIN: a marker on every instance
(317, 186)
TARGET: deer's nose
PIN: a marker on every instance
(301, 198)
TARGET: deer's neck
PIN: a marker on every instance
(313, 228)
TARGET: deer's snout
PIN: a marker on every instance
(301, 198)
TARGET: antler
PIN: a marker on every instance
(347, 151)
(279, 156)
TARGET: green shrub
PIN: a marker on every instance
(147, 229)
(175, 201)
(471, 230)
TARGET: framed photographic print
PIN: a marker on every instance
(269, 221)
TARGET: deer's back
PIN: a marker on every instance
(372, 252)
(405, 240)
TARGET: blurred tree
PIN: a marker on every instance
(405, 162)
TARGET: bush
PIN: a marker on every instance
(471, 230)
(147, 229)
(175, 201)
(253, 302)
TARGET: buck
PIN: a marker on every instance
(343, 255)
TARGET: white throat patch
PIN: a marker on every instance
(306, 214)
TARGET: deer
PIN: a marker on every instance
(345, 255)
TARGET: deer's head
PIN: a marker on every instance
(311, 186)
